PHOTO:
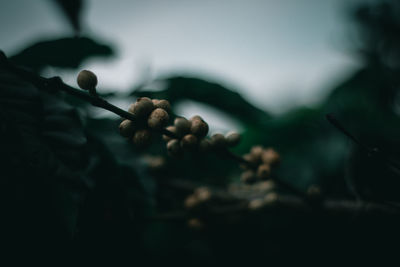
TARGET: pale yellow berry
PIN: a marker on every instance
(270, 156)
(198, 127)
(248, 177)
(142, 138)
(126, 128)
(87, 80)
(143, 107)
(164, 104)
(233, 139)
(218, 141)
(182, 126)
(189, 142)
(263, 171)
(204, 145)
(174, 148)
(172, 129)
(257, 151)
(158, 119)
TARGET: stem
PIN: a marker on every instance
(56, 83)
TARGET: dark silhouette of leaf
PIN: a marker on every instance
(72, 10)
(210, 93)
(63, 53)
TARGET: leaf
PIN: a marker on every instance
(62, 53)
(72, 10)
(210, 93)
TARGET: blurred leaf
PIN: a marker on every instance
(213, 94)
(62, 53)
(72, 10)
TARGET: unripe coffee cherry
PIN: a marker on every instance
(263, 171)
(204, 145)
(191, 202)
(270, 156)
(174, 148)
(257, 151)
(189, 142)
(87, 80)
(126, 128)
(195, 224)
(248, 177)
(143, 107)
(158, 119)
(172, 129)
(198, 127)
(203, 194)
(218, 141)
(182, 126)
(252, 159)
(164, 104)
(142, 138)
(232, 139)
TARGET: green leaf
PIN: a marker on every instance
(62, 53)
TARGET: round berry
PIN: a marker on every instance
(263, 171)
(232, 139)
(158, 119)
(270, 156)
(218, 141)
(172, 129)
(182, 126)
(126, 128)
(174, 148)
(142, 138)
(204, 145)
(257, 151)
(248, 177)
(87, 80)
(164, 104)
(199, 127)
(189, 142)
(143, 107)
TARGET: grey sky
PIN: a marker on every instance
(278, 53)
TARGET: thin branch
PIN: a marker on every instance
(56, 84)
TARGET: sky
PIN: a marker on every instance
(277, 53)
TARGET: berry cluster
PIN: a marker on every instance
(150, 114)
(192, 136)
(261, 161)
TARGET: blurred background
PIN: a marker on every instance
(271, 70)
(278, 54)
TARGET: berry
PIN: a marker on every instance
(218, 141)
(172, 129)
(256, 204)
(164, 104)
(142, 108)
(158, 119)
(263, 171)
(270, 156)
(199, 127)
(195, 224)
(142, 138)
(257, 151)
(182, 126)
(126, 128)
(174, 148)
(191, 202)
(203, 194)
(87, 80)
(204, 145)
(248, 177)
(252, 159)
(189, 142)
(232, 139)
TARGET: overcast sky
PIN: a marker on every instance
(277, 53)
